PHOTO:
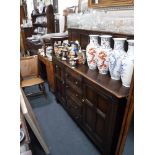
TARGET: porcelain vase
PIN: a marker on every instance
(91, 52)
(115, 58)
(103, 53)
(128, 65)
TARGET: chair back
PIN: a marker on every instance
(29, 66)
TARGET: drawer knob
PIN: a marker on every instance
(76, 95)
(82, 100)
(76, 83)
(56, 66)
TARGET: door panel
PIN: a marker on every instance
(100, 127)
(90, 94)
(74, 109)
(60, 90)
(89, 116)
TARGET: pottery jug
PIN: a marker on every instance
(128, 65)
(41, 6)
(91, 51)
(115, 58)
(102, 54)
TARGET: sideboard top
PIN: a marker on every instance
(115, 87)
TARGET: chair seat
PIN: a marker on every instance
(31, 82)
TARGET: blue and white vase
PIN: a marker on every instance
(91, 51)
(128, 65)
(102, 54)
(115, 58)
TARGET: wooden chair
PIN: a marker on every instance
(29, 73)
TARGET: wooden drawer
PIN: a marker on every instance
(73, 80)
(74, 95)
(72, 75)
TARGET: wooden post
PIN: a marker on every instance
(126, 120)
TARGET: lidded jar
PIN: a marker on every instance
(128, 65)
(91, 51)
(115, 58)
(102, 54)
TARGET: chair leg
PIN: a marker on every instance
(43, 89)
(40, 87)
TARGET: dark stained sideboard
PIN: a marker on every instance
(96, 102)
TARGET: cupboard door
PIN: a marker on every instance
(58, 71)
(88, 117)
(59, 82)
(100, 126)
(103, 127)
(74, 105)
(89, 108)
(60, 91)
(98, 116)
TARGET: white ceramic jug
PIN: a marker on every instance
(128, 65)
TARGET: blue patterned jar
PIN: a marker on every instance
(115, 58)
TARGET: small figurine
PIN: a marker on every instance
(74, 48)
(81, 56)
(64, 54)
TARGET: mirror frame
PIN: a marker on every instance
(111, 3)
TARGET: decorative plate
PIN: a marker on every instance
(22, 135)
